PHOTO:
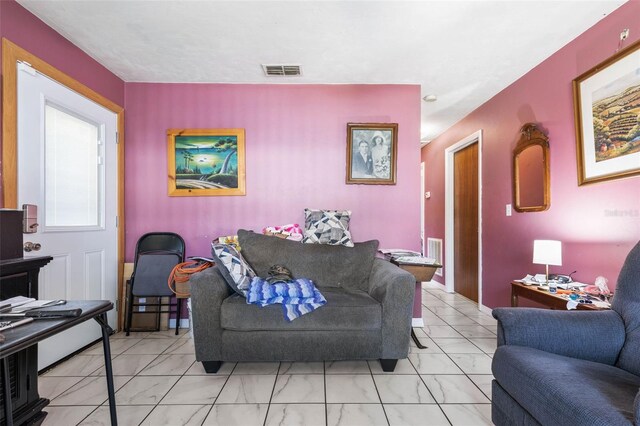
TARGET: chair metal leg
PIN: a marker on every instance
(128, 309)
(178, 312)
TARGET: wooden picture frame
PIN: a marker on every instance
(372, 153)
(607, 118)
(206, 162)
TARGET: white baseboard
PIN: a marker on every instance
(435, 284)
(485, 309)
(417, 322)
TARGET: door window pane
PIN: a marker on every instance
(72, 170)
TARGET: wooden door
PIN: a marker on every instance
(466, 221)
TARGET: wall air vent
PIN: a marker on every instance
(434, 251)
(281, 70)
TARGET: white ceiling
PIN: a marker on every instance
(464, 52)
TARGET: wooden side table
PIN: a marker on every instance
(422, 272)
(552, 301)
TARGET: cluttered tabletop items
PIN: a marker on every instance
(21, 310)
(573, 292)
(408, 257)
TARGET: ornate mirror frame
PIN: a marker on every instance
(531, 136)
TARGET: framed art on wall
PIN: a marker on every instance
(206, 162)
(372, 153)
(607, 118)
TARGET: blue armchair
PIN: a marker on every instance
(571, 368)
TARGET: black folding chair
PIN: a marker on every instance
(157, 253)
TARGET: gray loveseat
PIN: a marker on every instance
(367, 315)
(571, 368)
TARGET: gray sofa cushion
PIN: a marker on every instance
(627, 303)
(345, 310)
(559, 390)
(326, 266)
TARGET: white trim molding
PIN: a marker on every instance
(449, 210)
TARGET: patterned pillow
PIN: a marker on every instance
(327, 227)
(235, 270)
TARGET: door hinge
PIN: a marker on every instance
(117, 221)
(117, 304)
(117, 138)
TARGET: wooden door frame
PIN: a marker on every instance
(449, 226)
(11, 54)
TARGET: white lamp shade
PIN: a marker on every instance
(547, 252)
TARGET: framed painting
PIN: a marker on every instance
(372, 153)
(206, 162)
(607, 118)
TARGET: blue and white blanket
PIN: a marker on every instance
(298, 297)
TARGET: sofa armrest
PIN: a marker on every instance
(590, 335)
(636, 410)
(208, 291)
(394, 289)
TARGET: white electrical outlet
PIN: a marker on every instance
(624, 34)
(508, 209)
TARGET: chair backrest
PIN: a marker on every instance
(627, 303)
(157, 253)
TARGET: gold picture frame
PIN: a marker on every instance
(607, 118)
(372, 153)
(206, 162)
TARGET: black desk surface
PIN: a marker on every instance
(23, 336)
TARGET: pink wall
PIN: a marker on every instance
(598, 223)
(295, 158)
(22, 28)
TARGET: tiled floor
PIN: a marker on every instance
(158, 381)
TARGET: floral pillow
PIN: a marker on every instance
(327, 227)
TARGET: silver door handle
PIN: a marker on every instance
(29, 246)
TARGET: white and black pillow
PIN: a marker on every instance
(235, 270)
(327, 227)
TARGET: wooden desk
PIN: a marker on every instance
(27, 335)
(421, 273)
(532, 292)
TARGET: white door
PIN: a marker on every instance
(67, 167)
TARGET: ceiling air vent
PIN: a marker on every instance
(281, 70)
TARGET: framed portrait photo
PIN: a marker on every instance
(607, 118)
(206, 162)
(372, 153)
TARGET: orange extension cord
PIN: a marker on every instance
(181, 273)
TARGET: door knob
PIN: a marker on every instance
(29, 246)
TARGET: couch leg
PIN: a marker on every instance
(388, 365)
(211, 366)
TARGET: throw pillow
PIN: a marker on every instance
(327, 227)
(235, 270)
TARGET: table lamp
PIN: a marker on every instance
(547, 252)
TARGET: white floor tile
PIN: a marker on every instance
(197, 369)
(150, 346)
(301, 368)
(171, 415)
(347, 367)
(440, 331)
(298, 388)
(168, 365)
(351, 388)
(433, 364)
(473, 363)
(453, 389)
(79, 365)
(473, 331)
(468, 414)
(116, 346)
(355, 415)
(51, 387)
(201, 390)
(487, 345)
(237, 415)
(128, 415)
(483, 381)
(145, 390)
(89, 391)
(257, 368)
(402, 390)
(127, 365)
(415, 415)
(66, 415)
(296, 415)
(247, 389)
(458, 320)
(456, 346)
(403, 366)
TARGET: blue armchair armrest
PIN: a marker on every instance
(593, 336)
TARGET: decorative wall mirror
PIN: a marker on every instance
(531, 170)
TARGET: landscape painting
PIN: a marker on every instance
(206, 162)
(607, 113)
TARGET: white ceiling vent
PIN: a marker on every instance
(281, 70)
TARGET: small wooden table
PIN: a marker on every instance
(421, 272)
(553, 301)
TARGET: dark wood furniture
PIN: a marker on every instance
(19, 277)
(533, 292)
(421, 273)
(25, 337)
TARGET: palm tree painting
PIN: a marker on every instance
(206, 161)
